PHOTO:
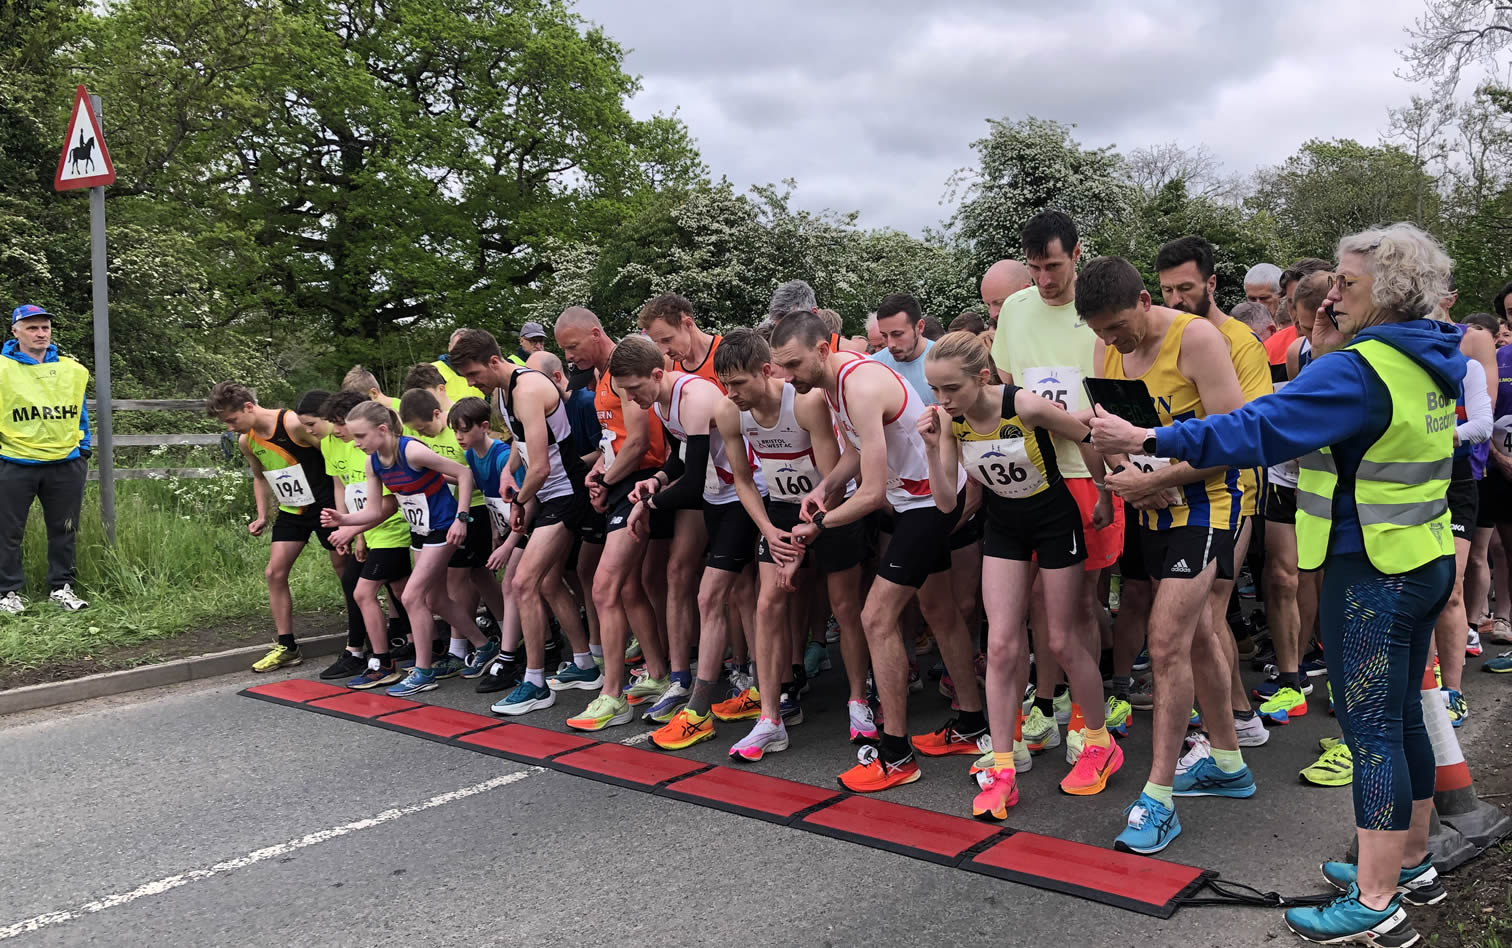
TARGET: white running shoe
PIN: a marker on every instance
(64, 596)
(1197, 747)
(1252, 733)
(863, 724)
(767, 737)
(12, 603)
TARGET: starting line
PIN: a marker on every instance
(1123, 880)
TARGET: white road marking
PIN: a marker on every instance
(169, 883)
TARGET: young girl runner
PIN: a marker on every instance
(1001, 435)
(417, 479)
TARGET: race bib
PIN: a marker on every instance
(606, 445)
(290, 487)
(1002, 466)
(356, 497)
(1501, 430)
(1060, 384)
(789, 479)
(416, 510)
(498, 509)
(1150, 465)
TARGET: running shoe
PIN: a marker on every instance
(1266, 657)
(924, 642)
(1023, 761)
(790, 710)
(831, 631)
(1501, 631)
(1313, 668)
(633, 651)
(1115, 593)
(815, 659)
(447, 666)
(1334, 768)
(739, 677)
(603, 711)
(1268, 688)
(1151, 826)
(645, 688)
(999, 791)
(1281, 707)
(12, 604)
(1194, 720)
(525, 697)
(1142, 660)
(1142, 694)
(1093, 768)
(279, 656)
(745, 706)
(767, 737)
(1075, 741)
(1501, 664)
(1040, 731)
(1206, 779)
(374, 676)
(1251, 733)
(480, 659)
(1418, 885)
(863, 726)
(1347, 919)
(946, 741)
(1118, 715)
(1195, 748)
(873, 774)
(1247, 648)
(64, 596)
(345, 666)
(671, 701)
(1458, 709)
(1473, 644)
(684, 730)
(568, 676)
(500, 675)
(418, 680)
(1062, 703)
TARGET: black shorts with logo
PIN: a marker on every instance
(1051, 535)
(1464, 500)
(571, 510)
(297, 527)
(474, 551)
(386, 565)
(1177, 552)
(1280, 503)
(836, 549)
(620, 507)
(920, 545)
(732, 536)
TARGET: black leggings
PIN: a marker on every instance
(357, 637)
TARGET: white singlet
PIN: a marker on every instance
(784, 452)
(719, 480)
(559, 478)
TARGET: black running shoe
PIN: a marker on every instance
(500, 676)
(346, 666)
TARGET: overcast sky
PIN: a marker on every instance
(871, 104)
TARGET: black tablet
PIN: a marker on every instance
(1126, 398)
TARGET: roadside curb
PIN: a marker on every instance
(32, 697)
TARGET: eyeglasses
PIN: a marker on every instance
(1342, 282)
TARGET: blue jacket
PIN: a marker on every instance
(12, 350)
(1338, 402)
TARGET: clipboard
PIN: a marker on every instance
(1129, 399)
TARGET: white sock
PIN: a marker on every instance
(459, 648)
(584, 660)
(597, 651)
(536, 676)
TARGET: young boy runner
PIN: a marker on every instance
(794, 443)
(288, 472)
(416, 478)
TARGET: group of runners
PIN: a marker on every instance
(686, 521)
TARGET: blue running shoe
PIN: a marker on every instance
(1500, 665)
(1458, 710)
(792, 712)
(1152, 826)
(1195, 721)
(1206, 779)
(477, 662)
(1142, 660)
(418, 680)
(1419, 885)
(525, 698)
(673, 700)
(1313, 668)
(1347, 919)
(1267, 689)
(570, 676)
(448, 666)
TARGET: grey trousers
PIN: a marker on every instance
(60, 488)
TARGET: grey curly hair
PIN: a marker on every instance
(1409, 268)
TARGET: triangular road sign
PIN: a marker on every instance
(84, 162)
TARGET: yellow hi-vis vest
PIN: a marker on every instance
(1400, 485)
(456, 386)
(39, 408)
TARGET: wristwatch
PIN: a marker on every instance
(465, 516)
(1149, 443)
(818, 520)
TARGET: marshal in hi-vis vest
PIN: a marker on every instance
(39, 408)
(1400, 485)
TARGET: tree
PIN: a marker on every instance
(1452, 35)
(1025, 167)
(1151, 169)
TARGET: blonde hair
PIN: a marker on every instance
(832, 320)
(375, 414)
(965, 347)
(359, 379)
(1409, 269)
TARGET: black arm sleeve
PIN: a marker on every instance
(673, 466)
(687, 490)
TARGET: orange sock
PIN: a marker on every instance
(1002, 761)
(1099, 737)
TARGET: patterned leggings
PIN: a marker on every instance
(1377, 630)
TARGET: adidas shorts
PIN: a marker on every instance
(1184, 552)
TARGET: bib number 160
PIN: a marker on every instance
(793, 485)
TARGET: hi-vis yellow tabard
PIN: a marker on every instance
(39, 408)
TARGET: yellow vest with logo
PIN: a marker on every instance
(39, 408)
(1400, 484)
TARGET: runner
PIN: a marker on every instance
(416, 478)
(537, 415)
(1002, 280)
(794, 443)
(632, 446)
(686, 405)
(287, 473)
(1188, 521)
(901, 322)
(359, 379)
(879, 414)
(1001, 435)
(456, 386)
(380, 555)
(668, 320)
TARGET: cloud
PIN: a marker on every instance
(871, 106)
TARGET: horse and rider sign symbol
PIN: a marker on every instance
(84, 162)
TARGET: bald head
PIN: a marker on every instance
(544, 361)
(1002, 280)
(578, 317)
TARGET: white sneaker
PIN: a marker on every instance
(1075, 742)
(1473, 643)
(1197, 747)
(64, 596)
(12, 603)
(1252, 733)
(863, 725)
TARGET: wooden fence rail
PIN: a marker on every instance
(197, 439)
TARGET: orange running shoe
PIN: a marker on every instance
(873, 773)
(999, 792)
(1093, 768)
(947, 740)
(745, 706)
(684, 730)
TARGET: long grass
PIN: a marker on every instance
(183, 559)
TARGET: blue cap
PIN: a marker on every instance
(26, 311)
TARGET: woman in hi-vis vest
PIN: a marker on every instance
(1372, 423)
(44, 454)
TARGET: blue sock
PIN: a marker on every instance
(684, 678)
